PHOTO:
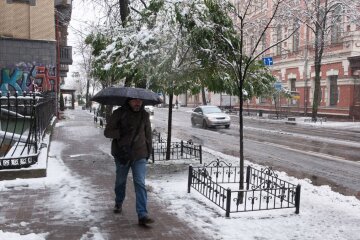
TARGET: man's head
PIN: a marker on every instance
(135, 104)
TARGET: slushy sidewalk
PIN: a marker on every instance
(75, 200)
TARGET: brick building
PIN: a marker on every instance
(294, 68)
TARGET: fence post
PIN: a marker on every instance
(200, 149)
(297, 198)
(228, 202)
(153, 155)
(35, 119)
(190, 178)
(182, 148)
(248, 179)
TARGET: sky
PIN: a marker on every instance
(324, 214)
(82, 16)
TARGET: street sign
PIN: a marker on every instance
(278, 86)
(268, 61)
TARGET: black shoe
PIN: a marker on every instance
(145, 221)
(117, 208)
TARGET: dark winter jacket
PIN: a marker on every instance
(122, 126)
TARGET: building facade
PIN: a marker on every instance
(33, 52)
(293, 67)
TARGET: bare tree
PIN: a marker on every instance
(326, 20)
(85, 66)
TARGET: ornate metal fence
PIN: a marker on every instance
(178, 150)
(23, 121)
(219, 182)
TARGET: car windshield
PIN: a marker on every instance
(211, 110)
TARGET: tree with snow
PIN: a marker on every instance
(232, 46)
(325, 19)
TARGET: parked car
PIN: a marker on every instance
(149, 109)
(209, 116)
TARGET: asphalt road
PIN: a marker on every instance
(324, 155)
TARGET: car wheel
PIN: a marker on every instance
(204, 125)
(227, 126)
(193, 122)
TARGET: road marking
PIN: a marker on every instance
(323, 155)
(308, 137)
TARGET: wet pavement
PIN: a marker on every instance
(51, 210)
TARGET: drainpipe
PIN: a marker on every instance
(57, 84)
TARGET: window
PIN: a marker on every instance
(278, 38)
(262, 99)
(263, 42)
(293, 85)
(30, 2)
(336, 26)
(333, 90)
(296, 37)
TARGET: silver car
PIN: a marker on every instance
(209, 116)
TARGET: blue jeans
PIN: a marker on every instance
(138, 169)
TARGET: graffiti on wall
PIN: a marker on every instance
(26, 78)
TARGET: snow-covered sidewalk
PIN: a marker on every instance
(324, 214)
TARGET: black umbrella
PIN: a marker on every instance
(119, 95)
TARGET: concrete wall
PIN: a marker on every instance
(14, 52)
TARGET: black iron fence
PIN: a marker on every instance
(23, 121)
(156, 136)
(219, 182)
(178, 150)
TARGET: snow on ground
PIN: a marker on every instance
(324, 214)
(73, 197)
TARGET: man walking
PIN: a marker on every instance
(129, 127)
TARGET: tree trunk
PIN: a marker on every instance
(124, 11)
(168, 144)
(203, 95)
(241, 150)
(87, 93)
(319, 49)
(317, 97)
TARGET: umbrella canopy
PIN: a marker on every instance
(119, 95)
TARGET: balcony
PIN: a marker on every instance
(66, 55)
(64, 8)
(62, 2)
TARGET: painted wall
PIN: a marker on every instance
(27, 77)
(27, 65)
